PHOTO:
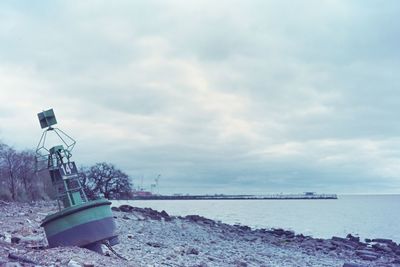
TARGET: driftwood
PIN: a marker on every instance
(21, 259)
(2, 202)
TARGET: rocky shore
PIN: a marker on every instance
(152, 238)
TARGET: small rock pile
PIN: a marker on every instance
(145, 212)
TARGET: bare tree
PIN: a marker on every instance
(103, 178)
(10, 163)
(4, 193)
(33, 187)
(18, 179)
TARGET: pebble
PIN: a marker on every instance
(192, 251)
(73, 263)
(15, 240)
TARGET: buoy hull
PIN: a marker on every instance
(81, 225)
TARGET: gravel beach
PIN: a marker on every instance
(153, 238)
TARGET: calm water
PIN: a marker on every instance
(369, 216)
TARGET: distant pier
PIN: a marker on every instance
(306, 196)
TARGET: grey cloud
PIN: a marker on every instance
(228, 96)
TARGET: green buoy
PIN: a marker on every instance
(78, 222)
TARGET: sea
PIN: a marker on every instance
(366, 216)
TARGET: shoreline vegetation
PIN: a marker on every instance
(154, 238)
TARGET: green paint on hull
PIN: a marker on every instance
(76, 215)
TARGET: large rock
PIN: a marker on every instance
(353, 238)
(199, 219)
(282, 232)
(345, 245)
(115, 209)
(165, 215)
(340, 239)
(367, 255)
(382, 240)
(126, 208)
(382, 247)
(243, 227)
(367, 252)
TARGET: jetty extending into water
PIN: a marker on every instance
(306, 196)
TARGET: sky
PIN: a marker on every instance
(230, 97)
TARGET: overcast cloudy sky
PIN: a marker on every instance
(216, 96)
